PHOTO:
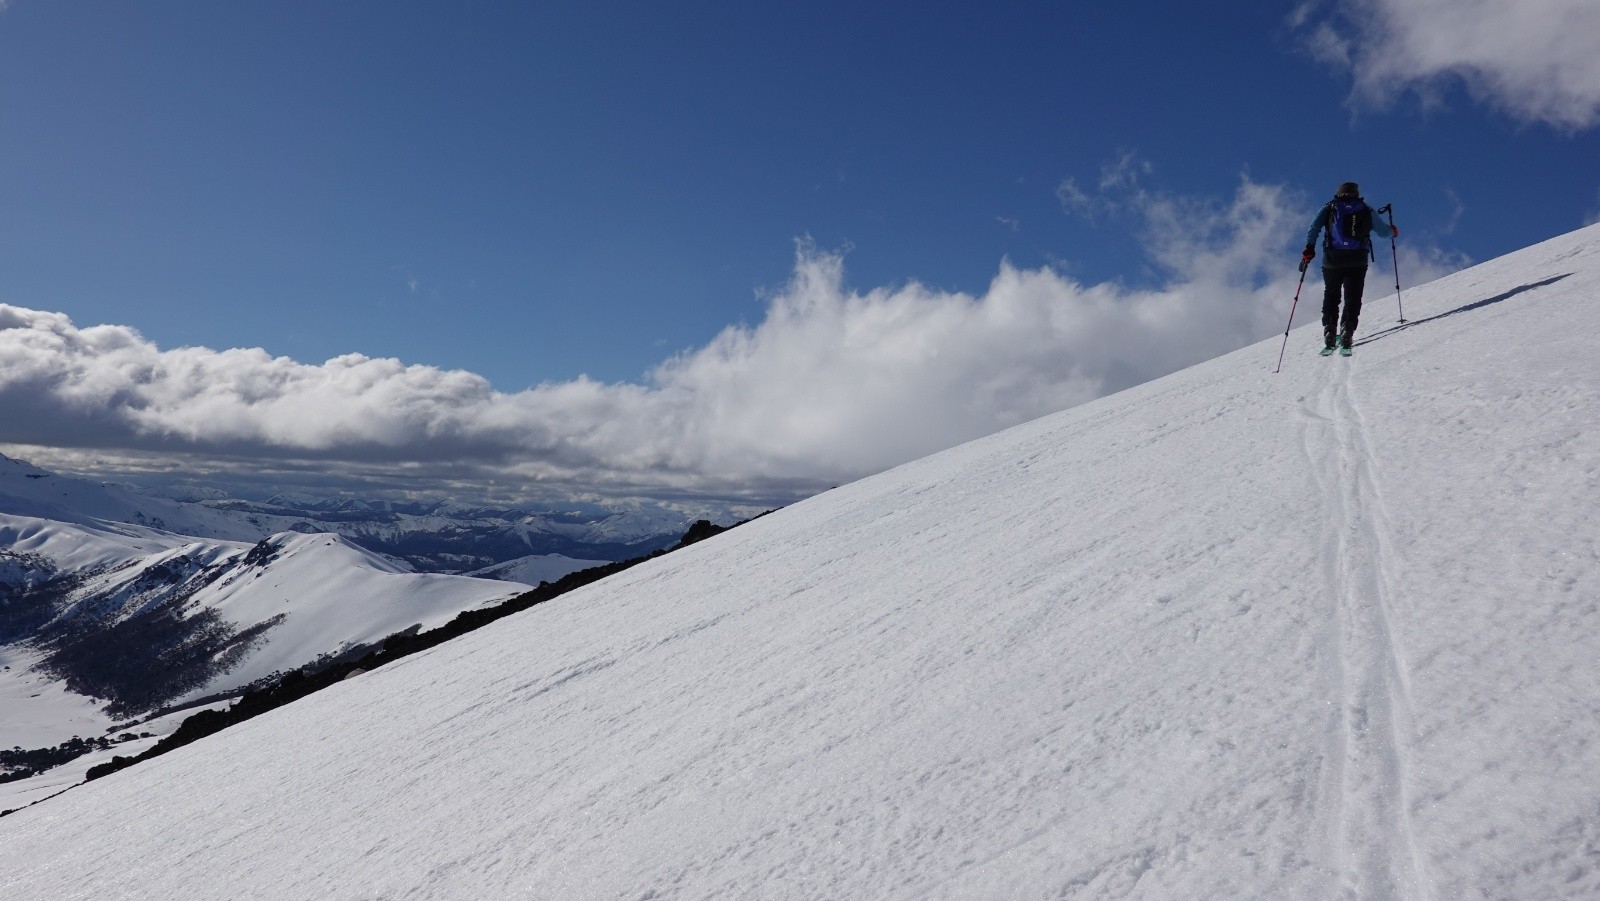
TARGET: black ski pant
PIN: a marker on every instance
(1352, 282)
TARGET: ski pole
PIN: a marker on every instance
(1389, 208)
(1303, 265)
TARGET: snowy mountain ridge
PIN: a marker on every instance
(432, 537)
(1327, 633)
(534, 569)
(115, 601)
(27, 490)
(134, 619)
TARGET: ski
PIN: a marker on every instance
(1344, 351)
(1326, 352)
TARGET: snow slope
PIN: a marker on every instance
(37, 711)
(333, 595)
(28, 491)
(1230, 634)
(132, 741)
(535, 569)
(74, 545)
(307, 595)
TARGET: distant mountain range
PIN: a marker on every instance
(117, 602)
(448, 537)
(440, 537)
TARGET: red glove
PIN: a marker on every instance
(1308, 255)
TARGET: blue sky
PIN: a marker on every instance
(533, 192)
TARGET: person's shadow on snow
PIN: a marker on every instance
(1475, 305)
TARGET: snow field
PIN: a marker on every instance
(19, 794)
(39, 712)
(1326, 633)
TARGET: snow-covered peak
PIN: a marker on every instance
(332, 595)
(636, 524)
(1325, 633)
(183, 618)
(25, 466)
(537, 568)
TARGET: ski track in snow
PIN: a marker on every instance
(1371, 846)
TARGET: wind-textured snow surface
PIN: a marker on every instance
(1327, 633)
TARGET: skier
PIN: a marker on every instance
(1350, 224)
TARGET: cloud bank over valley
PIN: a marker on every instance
(833, 384)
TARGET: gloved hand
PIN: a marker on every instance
(1309, 254)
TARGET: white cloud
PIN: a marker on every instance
(1120, 188)
(831, 385)
(1457, 210)
(1125, 172)
(1536, 60)
(1073, 198)
(1302, 13)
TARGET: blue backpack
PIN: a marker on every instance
(1349, 224)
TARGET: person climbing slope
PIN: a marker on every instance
(1349, 224)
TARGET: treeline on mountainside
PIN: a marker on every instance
(135, 663)
(19, 764)
(166, 651)
(316, 676)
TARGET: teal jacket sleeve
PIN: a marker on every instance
(1317, 225)
(1380, 228)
